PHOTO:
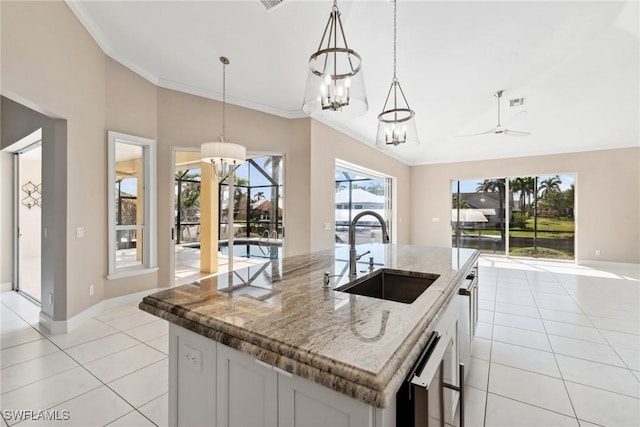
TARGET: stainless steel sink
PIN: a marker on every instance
(390, 285)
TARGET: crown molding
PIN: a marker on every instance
(240, 102)
(103, 42)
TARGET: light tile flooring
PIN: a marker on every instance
(557, 344)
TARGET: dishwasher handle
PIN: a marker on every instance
(424, 377)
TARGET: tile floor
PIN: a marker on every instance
(557, 344)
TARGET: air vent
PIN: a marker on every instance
(269, 4)
(517, 102)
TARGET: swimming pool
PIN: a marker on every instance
(253, 250)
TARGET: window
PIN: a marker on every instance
(258, 209)
(358, 189)
(131, 203)
(523, 216)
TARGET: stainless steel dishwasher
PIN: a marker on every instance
(420, 401)
(468, 298)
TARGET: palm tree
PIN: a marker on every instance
(528, 189)
(551, 183)
(524, 186)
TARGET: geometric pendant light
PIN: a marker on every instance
(335, 83)
(396, 122)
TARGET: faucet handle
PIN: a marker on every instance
(361, 255)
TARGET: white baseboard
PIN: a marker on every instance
(65, 326)
(610, 264)
(6, 286)
(129, 299)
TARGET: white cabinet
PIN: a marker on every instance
(247, 390)
(192, 378)
(209, 381)
(302, 403)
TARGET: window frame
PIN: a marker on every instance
(149, 239)
(390, 183)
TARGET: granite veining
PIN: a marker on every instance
(281, 314)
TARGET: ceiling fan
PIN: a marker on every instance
(499, 129)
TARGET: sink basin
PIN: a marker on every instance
(396, 286)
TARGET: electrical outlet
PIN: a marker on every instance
(50, 298)
(597, 252)
(79, 232)
(327, 226)
(92, 290)
(191, 357)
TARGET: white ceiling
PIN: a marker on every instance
(577, 64)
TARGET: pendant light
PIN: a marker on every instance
(396, 122)
(223, 155)
(335, 84)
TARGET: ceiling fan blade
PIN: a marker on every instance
(516, 132)
(475, 134)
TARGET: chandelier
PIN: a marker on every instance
(335, 84)
(223, 155)
(396, 122)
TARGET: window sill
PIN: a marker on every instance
(131, 273)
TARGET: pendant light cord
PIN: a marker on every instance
(395, 27)
(224, 98)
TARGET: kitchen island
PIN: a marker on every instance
(279, 318)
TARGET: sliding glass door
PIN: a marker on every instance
(478, 214)
(536, 213)
(542, 223)
(258, 209)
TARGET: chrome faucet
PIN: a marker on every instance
(353, 256)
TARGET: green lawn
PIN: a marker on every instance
(548, 228)
(540, 253)
(553, 224)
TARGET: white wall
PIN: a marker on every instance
(30, 219)
(6, 217)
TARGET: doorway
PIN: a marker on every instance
(258, 214)
(186, 216)
(28, 220)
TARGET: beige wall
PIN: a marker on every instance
(187, 121)
(54, 66)
(131, 108)
(327, 145)
(607, 198)
(51, 64)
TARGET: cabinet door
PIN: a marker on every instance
(192, 378)
(247, 392)
(302, 403)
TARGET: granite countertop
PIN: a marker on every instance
(280, 313)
